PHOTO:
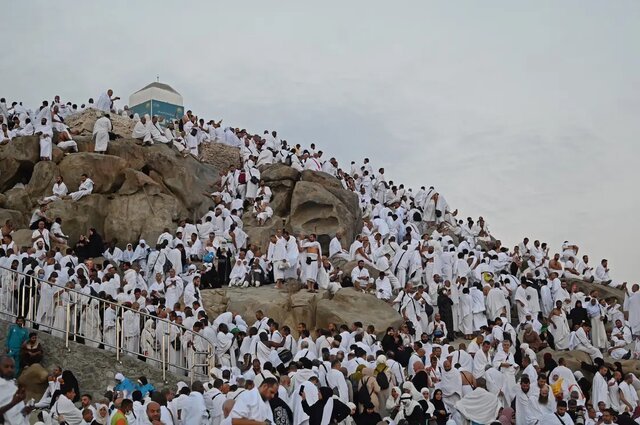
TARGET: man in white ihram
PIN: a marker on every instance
(105, 101)
(141, 131)
(101, 130)
(252, 407)
(85, 188)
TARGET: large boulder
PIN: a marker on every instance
(604, 290)
(82, 123)
(106, 171)
(139, 216)
(324, 210)
(186, 178)
(16, 217)
(42, 179)
(281, 190)
(219, 155)
(17, 160)
(137, 181)
(79, 216)
(278, 172)
(130, 151)
(22, 237)
(259, 235)
(316, 310)
(18, 199)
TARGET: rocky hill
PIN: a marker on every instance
(140, 190)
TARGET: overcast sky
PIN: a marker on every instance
(526, 113)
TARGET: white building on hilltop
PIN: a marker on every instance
(157, 99)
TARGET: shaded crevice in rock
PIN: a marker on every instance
(25, 171)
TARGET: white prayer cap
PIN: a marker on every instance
(524, 346)
(381, 359)
(179, 230)
(142, 241)
(181, 385)
(192, 267)
(119, 377)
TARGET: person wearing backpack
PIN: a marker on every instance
(368, 386)
(386, 380)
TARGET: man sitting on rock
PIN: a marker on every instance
(262, 211)
(602, 274)
(85, 188)
(141, 132)
(65, 141)
(59, 191)
(157, 134)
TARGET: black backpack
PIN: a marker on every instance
(363, 396)
(382, 380)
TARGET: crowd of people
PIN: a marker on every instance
(475, 313)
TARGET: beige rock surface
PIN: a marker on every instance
(82, 123)
(290, 308)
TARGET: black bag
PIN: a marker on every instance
(309, 260)
(428, 309)
(254, 180)
(285, 355)
(382, 380)
(362, 396)
(438, 213)
(168, 265)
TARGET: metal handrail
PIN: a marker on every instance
(24, 299)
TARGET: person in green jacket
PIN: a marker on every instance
(17, 336)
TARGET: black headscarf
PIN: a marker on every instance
(70, 381)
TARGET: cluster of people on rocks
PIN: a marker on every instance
(475, 314)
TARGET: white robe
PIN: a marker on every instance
(104, 102)
(85, 188)
(249, 405)
(600, 390)
(101, 130)
(14, 415)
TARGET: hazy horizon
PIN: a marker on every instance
(524, 113)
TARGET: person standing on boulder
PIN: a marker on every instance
(101, 130)
(45, 132)
(105, 101)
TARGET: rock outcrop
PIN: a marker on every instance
(82, 123)
(308, 202)
(291, 308)
(140, 190)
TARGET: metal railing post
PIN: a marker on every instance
(117, 337)
(67, 326)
